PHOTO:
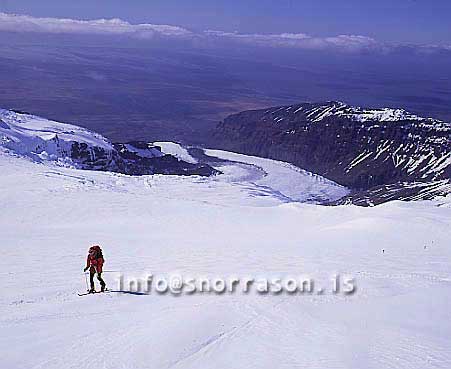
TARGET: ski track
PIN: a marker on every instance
(228, 224)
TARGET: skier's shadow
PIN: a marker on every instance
(130, 292)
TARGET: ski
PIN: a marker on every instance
(92, 293)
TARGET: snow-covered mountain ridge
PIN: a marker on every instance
(43, 139)
(356, 147)
(357, 113)
(69, 145)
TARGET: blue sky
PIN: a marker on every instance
(412, 21)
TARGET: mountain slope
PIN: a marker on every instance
(68, 145)
(358, 148)
(42, 139)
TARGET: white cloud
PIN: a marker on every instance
(259, 37)
(301, 40)
(347, 43)
(25, 23)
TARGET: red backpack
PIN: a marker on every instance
(95, 259)
(97, 251)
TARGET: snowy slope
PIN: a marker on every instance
(398, 318)
(44, 139)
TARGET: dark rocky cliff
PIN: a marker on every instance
(362, 149)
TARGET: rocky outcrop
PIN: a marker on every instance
(135, 158)
(138, 158)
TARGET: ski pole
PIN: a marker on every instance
(86, 279)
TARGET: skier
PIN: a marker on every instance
(94, 263)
